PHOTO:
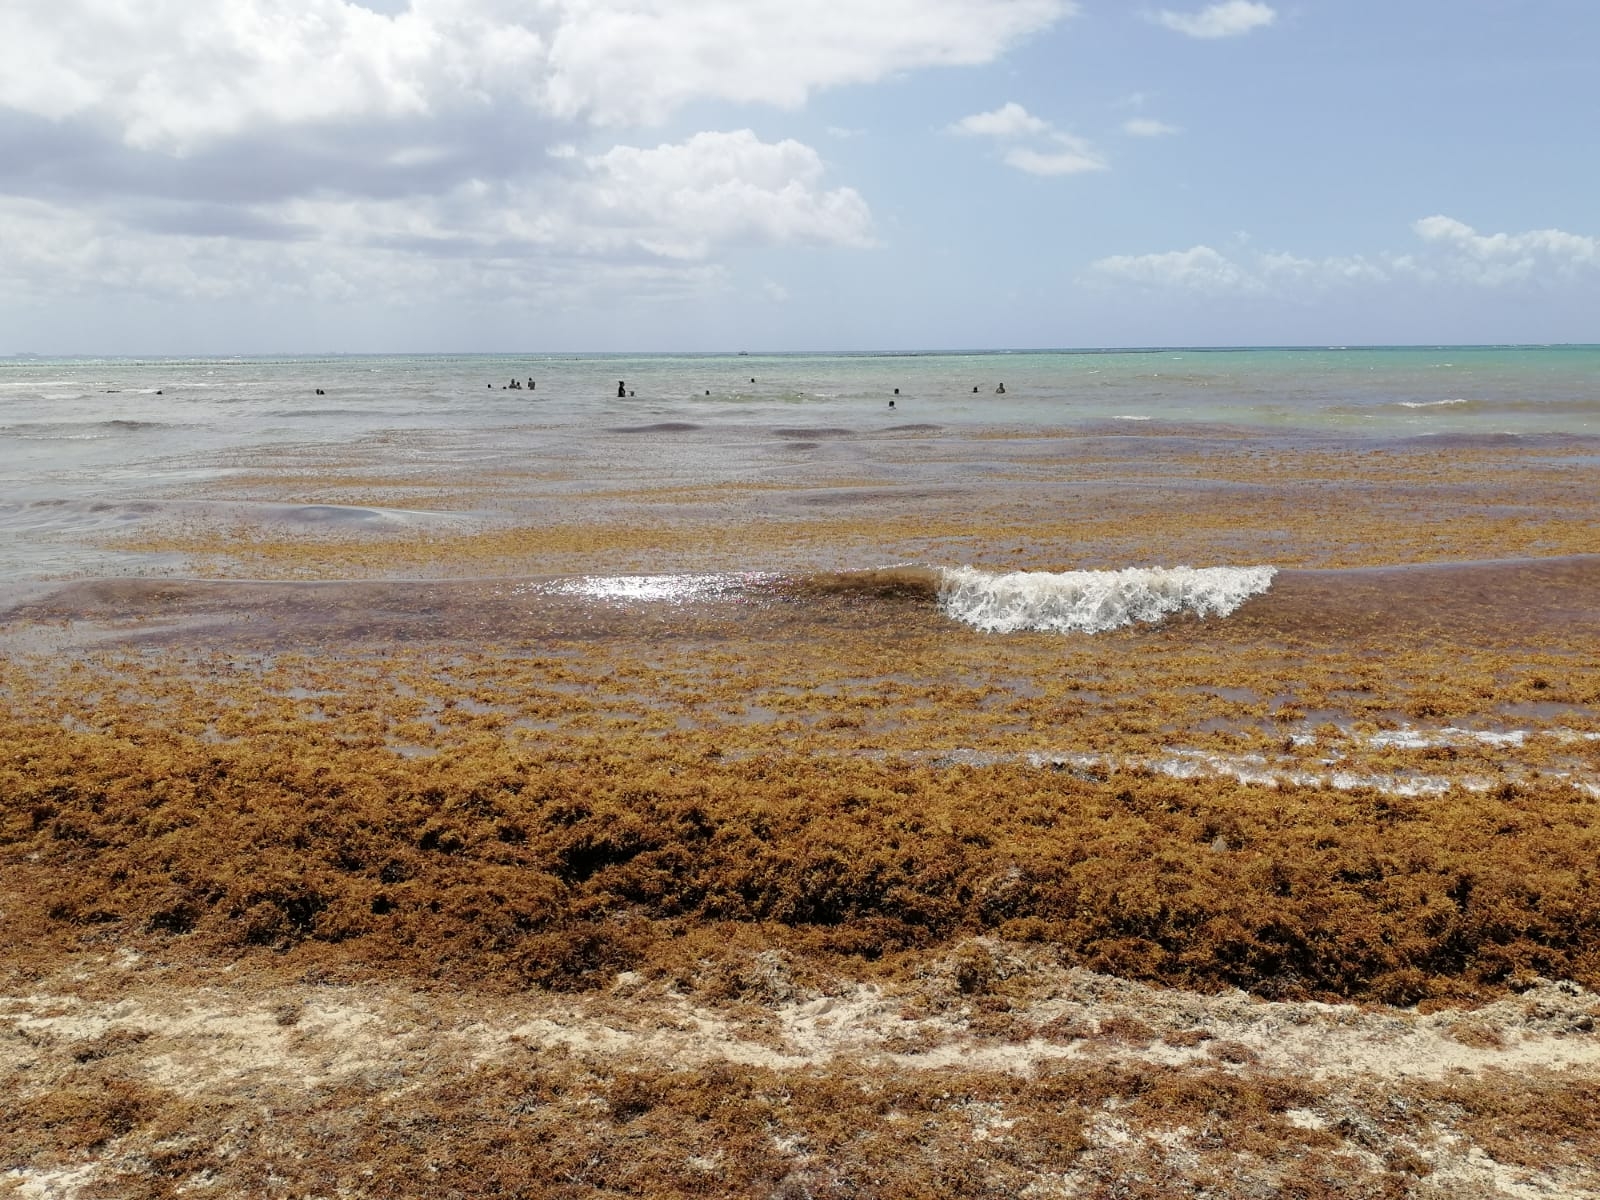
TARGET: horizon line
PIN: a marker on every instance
(882, 352)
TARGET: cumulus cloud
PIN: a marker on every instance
(1453, 253)
(1052, 152)
(663, 208)
(1229, 19)
(178, 74)
(678, 200)
(1199, 269)
(1502, 258)
(1010, 120)
(226, 140)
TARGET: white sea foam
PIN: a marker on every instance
(1410, 738)
(1094, 601)
(1430, 403)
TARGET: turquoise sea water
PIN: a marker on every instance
(84, 441)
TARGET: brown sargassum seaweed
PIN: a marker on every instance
(560, 868)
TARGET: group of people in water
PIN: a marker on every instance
(999, 391)
(623, 391)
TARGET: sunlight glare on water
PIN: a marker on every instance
(674, 589)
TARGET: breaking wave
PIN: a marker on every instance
(1013, 602)
(1094, 601)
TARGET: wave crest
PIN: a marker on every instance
(1094, 601)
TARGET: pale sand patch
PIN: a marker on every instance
(197, 1038)
(204, 1037)
(229, 1040)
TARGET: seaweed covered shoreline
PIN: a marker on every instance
(561, 870)
(895, 910)
(323, 881)
(291, 962)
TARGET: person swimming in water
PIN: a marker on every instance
(622, 390)
(1001, 390)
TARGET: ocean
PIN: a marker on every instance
(88, 446)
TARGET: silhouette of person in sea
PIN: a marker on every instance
(891, 403)
(622, 390)
(974, 389)
(1001, 390)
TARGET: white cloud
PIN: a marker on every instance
(1229, 19)
(1199, 269)
(1503, 258)
(1207, 271)
(629, 214)
(625, 60)
(1072, 157)
(186, 146)
(1284, 269)
(679, 200)
(1051, 152)
(173, 76)
(1454, 254)
(1010, 120)
(407, 257)
(1148, 127)
(177, 75)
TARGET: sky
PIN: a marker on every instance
(443, 176)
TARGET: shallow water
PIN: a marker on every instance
(90, 444)
(1517, 602)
